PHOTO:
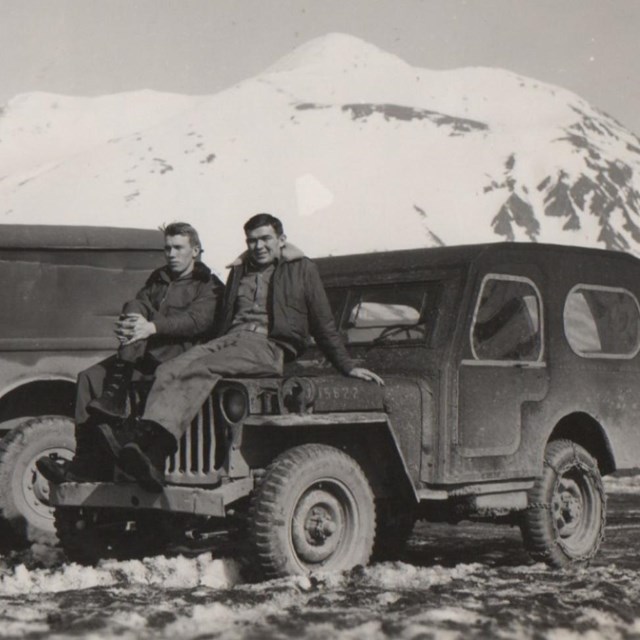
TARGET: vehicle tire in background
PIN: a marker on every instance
(565, 518)
(24, 493)
(312, 511)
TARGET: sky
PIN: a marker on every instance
(94, 47)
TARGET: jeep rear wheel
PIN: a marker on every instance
(24, 493)
(313, 511)
(564, 522)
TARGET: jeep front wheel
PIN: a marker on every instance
(564, 522)
(313, 511)
(24, 493)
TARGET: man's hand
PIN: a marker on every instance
(365, 374)
(133, 327)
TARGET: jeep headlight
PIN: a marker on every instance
(234, 404)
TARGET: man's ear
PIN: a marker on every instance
(283, 240)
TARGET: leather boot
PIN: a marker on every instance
(145, 457)
(89, 464)
(112, 438)
(113, 401)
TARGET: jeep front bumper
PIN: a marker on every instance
(174, 498)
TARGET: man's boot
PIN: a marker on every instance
(113, 401)
(89, 464)
(145, 456)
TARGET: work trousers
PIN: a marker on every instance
(182, 384)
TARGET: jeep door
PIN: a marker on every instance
(502, 367)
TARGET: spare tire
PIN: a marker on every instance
(24, 493)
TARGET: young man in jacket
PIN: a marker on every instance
(273, 300)
(175, 309)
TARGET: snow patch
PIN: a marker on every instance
(169, 573)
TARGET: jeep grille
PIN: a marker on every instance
(193, 462)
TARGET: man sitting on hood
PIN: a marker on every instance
(174, 310)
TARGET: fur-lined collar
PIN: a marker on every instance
(289, 253)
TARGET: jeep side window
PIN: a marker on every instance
(506, 324)
(602, 322)
(389, 313)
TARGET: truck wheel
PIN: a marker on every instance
(90, 534)
(312, 511)
(564, 522)
(24, 493)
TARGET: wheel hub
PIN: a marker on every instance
(568, 507)
(318, 526)
(35, 488)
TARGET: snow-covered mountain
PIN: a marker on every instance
(352, 147)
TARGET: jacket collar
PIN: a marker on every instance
(289, 253)
(200, 272)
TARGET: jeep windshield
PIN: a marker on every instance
(376, 314)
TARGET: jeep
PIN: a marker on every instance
(63, 288)
(511, 387)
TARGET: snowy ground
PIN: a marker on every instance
(454, 582)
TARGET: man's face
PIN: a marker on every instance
(179, 254)
(265, 246)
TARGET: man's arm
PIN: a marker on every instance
(323, 328)
(198, 319)
(133, 324)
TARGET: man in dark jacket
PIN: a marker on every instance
(174, 310)
(274, 299)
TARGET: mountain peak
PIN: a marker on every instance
(337, 51)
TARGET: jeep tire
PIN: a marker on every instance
(24, 493)
(565, 519)
(312, 511)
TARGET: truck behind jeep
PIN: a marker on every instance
(63, 288)
(512, 383)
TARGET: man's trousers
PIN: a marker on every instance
(182, 384)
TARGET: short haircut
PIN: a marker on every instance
(264, 220)
(182, 229)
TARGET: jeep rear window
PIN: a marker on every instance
(602, 322)
(507, 321)
(395, 313)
